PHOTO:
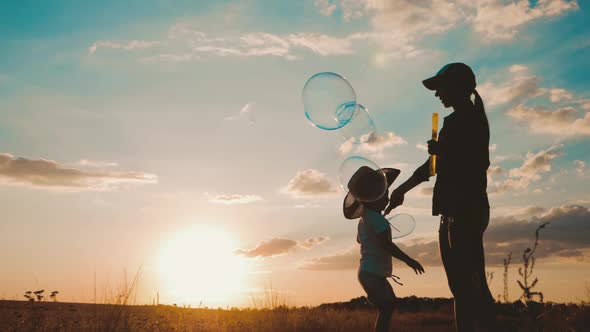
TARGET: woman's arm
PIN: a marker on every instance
(421, 174)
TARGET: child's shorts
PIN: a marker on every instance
(378, 289)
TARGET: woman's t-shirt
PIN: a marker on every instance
(374, 258)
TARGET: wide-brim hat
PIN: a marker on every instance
(365, 182)
(456, 74)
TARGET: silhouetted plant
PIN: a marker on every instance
(53, 296)
(29, 295)
(39, 294)
(489, 277)
(507, 262)
(526, 271)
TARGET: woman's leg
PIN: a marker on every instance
(486, 306)
(454, 251)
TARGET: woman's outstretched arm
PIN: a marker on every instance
(421, 174)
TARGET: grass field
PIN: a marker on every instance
(55, 316)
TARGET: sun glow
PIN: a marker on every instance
(198, 266)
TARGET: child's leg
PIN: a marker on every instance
(384, 318)
(380, 294)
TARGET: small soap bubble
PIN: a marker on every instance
(402, 224)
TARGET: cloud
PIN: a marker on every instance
(170, 58)
(247, 111)
(122, 45)
(374, 144)
(581, 167)
(312, 242)
(557, 95)
(522, 87)
(567, 236)
(309, 183)
(515, 90)
(422, 147)
(235, 199)
(347, 260)
(397, 25)
(499, 20)
(532, 169)
(280, 246)
(96, 163)
(325, 7)
(323, 44)
(560, 122)
(49, 174)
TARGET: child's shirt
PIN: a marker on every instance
(374, 258)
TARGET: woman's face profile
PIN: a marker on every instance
(445, 96)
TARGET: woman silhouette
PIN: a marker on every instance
(460, 196)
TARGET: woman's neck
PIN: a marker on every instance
(463, 105)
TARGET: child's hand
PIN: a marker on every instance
(417, 267)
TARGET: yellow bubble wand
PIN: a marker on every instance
(434, 137)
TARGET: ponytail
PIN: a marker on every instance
(479, 108)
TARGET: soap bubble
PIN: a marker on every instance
(324, 96)
(360, 128)
(378, 185)
(402, 224)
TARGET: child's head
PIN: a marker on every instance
(368, 183)
(380, 204)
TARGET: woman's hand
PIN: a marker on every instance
(417, 267)
(433, 147)
(396, 199)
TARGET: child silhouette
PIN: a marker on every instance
(374, 237)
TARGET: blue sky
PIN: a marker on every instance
(136, 120)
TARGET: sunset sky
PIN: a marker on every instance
(171, 135)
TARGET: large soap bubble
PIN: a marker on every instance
(360, 128)
(402, 224)
(378, 184)
(326, 97)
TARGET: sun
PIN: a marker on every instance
(198, 266)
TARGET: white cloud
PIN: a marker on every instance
(325, 7)
(422, 147)
(280, 246)
(518, 68)
(308, 183)
(49, 174)
(560, 122)
(322, 44)
(580, 167)
(247, 112)
(123, 45)
(97, 163)
(234, 199)
(374, 144)
(516, 89)
(532, 169)
(557, 95)
(170, 58)
(499, 20)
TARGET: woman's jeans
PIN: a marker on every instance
(462, 253)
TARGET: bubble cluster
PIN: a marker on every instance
(330, 103)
